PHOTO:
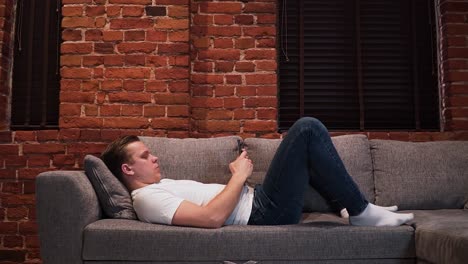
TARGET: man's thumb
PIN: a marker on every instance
(243, 154)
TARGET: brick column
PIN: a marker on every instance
(6, 47)
(125, 66)
(233, 74)
(453, 50)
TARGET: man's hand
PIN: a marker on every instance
(241, 167)
(215, 213)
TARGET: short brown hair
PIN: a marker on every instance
(115, 154)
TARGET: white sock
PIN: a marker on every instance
(375, 215)
(394, 208)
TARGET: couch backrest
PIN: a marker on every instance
(203, 160)
(424, 175)
(430, 175)
(353, 149)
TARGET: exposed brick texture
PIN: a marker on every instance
(111, 65)
(171, 68)
(230, 66)
(6, 53)
(454, 53)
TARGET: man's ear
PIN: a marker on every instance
(126, 169)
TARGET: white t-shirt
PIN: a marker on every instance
(158, 202)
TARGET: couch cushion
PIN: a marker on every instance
(353, 150)
(205, 159)
(112, 194)
(125, 240)
(442, 236)
(428, 175)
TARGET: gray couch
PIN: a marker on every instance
(429, 179)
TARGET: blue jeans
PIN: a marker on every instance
(306, 156)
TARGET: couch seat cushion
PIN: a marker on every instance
(321, 238)
(442, 235)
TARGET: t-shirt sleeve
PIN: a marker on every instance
(157, 206)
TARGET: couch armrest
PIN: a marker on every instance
(66, 203)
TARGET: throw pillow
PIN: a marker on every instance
(112, 194)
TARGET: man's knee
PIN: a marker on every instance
(309, 123)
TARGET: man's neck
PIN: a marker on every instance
(136, 185)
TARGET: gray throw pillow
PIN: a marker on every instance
(112, 194)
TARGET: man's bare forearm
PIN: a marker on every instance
(220, 208)
(215, 213)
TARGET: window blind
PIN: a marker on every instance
(358, 64)
(35, 90)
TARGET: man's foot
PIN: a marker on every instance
(394, 208)
(375, 215)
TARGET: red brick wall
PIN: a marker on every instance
(233, 65)
(126, 66)
(454, 55)
(6, 22)
(174, 68)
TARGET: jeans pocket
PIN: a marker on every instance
(258, 206)
(266, 212)
(263, 208)
(256, 217)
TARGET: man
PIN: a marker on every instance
(305, 156)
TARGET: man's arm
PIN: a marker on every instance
(215, 213)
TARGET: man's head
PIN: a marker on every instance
(131, 162)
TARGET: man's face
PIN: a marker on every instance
(143, 164)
